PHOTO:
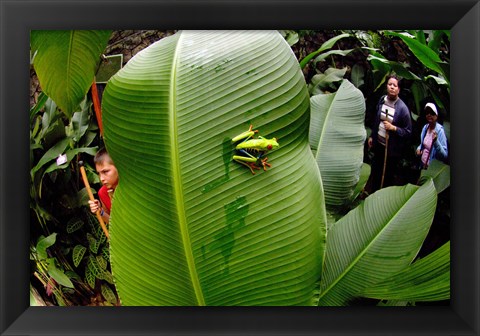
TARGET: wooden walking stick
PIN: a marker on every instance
(90, 195)
(386, 151)
(384, 159)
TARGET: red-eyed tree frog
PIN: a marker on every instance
(251, 152)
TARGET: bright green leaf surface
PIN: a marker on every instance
(337, 136)
(66, 61)
(377, 239)
(58, 274)
(428, 279)
(439, 172)
(45, 243)
(189, 226)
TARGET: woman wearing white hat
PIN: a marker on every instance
(433, 142)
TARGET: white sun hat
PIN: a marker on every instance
(433, 107)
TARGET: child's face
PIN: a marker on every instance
(108, 175)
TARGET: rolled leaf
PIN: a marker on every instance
(337, 137)
(377, 239)
(189, 226)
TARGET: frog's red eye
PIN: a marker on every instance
(269, 147)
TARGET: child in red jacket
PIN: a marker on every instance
(109, 177)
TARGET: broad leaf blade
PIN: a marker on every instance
(439, 172)
(325, 46)
(43, 244)
(57, 274)
(376, 240)
(189, 226)
(427, 56)
(428, 279)
(337, 135)
(66, 61)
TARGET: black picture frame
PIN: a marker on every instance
(18, 17)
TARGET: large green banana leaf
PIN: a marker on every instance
(190, 226)
(66, 62)
(377, 239)
(337, 137)
(427, 279)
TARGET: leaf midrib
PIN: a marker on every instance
(177, 183)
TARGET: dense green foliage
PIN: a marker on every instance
(70, 253)
(77, 249)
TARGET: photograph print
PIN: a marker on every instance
(240, 168)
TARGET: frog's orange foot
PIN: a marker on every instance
(253, 166)
(252, 130)
(265, 164)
